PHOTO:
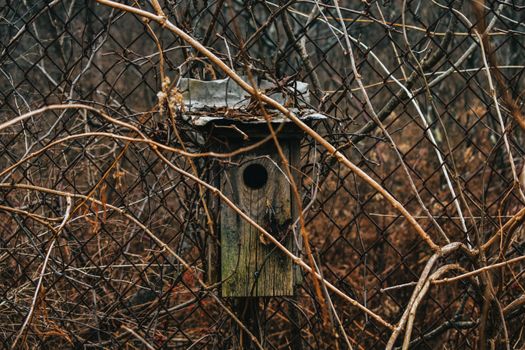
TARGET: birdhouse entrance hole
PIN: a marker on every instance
(255, 176)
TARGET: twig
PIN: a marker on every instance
(422, 282)
(419, 298)
(42, 272)
(141, 339)
(480, 270)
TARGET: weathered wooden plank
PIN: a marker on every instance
(250, 267)
(213, 240)
(295, 163)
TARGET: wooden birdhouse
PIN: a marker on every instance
(254, 177)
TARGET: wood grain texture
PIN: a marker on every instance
(213, 240)
(248, 266)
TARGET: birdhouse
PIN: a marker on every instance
(254, 177)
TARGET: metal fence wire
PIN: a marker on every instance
(411, 187)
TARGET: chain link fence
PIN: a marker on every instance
(105, 235)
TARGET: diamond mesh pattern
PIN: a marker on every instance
(126, 269)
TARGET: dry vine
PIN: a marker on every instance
(410, 195)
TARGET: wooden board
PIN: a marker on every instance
(249, 267)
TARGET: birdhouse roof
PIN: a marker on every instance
(226, 93)
(213, 104)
